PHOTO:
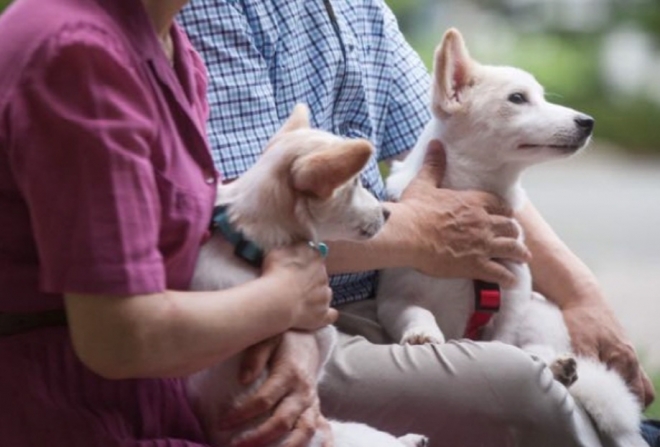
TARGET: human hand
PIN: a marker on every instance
(287, 398)
(301, 271)
(595, 332)
(455, 233)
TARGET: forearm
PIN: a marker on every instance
(385, 250)
(558, 273)
(174, 333)
(567, 281)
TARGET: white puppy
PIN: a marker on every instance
(494, 122)
(305, 187)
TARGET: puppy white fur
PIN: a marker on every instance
(304, 188)
(494, 122)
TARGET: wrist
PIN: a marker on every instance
(307, 349)
(390, 248)
(395, 238)
(284, 304)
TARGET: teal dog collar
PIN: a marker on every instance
(243, 248)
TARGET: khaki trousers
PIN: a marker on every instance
(460, 394)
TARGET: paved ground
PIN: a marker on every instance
(606, 206)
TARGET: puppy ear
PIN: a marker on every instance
(452, 74)
(320, 173)
(299, 119)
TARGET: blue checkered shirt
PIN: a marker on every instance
(345, 59)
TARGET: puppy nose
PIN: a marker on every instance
(386, 214)
(585, 123)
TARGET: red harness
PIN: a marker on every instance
(487, 299)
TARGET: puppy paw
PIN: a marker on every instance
(565, 370)
(412, 440)
(421, 337)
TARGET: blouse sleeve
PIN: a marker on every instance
(81, 126)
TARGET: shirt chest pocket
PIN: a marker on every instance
(185, 214)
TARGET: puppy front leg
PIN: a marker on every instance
(408, 323)
(419, 327)
(403, 302)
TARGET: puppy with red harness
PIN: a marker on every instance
(495, 122)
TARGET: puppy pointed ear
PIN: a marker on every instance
(320, 173)
(299, 119)
(452, 74)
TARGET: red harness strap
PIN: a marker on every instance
(487, 298)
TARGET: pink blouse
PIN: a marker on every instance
(106, 180)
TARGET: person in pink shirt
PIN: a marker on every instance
(106, 192)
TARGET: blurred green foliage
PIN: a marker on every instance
(568, 65)
(646, 15)
(401, 7)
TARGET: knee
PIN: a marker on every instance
(523, 381)
(511, 366)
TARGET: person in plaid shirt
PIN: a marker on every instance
(348, 61)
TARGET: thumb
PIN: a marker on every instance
(331, 316)
(435, 164)
(256, 357)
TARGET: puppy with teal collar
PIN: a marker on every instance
(305, 187)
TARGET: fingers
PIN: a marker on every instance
(307, 426)
(649, 391)
(509, 249)
(289, 414)
(624, 360)
(331, 317)
(324, 427)
(504, 227)
(637, 388)
(262, 402)
(435, 164)
(495, 272)
(256, 358)
(302, 252)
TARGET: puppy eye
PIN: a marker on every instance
(518, 98)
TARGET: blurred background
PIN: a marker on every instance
(603, 58)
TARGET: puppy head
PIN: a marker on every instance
(331, 192)
(499, 115)
(307, 184)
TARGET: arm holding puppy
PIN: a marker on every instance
(565, 280)
(439, 232)
(289, 394)
(174, 333)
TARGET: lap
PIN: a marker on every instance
(50, 399)
(460, 392)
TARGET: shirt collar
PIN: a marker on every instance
(132, 16)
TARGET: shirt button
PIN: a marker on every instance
(209, 177)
